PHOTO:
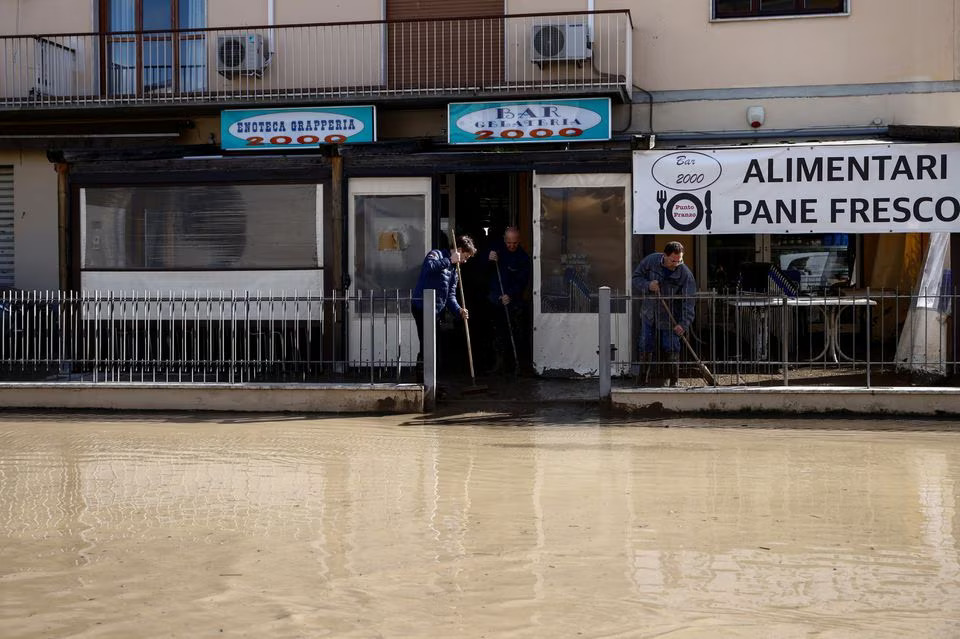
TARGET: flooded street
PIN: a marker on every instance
(553, 524)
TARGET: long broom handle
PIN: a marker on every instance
(516, 361)
(703, 368)
(466, 325)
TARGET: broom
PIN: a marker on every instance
(474, 387)
(704, 371)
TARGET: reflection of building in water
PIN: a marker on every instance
(536, 523)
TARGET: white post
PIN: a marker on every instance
(429, 348)
(603, 342)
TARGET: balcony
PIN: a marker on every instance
(517, 56)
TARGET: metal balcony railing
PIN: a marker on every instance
(521, 55)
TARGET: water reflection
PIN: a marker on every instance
(359, 526)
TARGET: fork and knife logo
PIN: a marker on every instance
(668, 207)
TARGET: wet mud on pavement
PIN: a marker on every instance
(520, 522)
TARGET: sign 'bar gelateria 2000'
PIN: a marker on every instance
(529, 121)
(846, 188)
(306, 128)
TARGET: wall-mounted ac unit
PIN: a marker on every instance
(559, 42)
(243, 54)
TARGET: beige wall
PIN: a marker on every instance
(934, 109)
(35, 213)
(45, 16)
(676, 47)
(230, 13)
(301, 11)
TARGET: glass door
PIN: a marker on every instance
(581, 234)
(389, 222)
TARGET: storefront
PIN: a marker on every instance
(308, 201)
(817, 212)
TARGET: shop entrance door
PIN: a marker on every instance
(389, 220)
(581, 241)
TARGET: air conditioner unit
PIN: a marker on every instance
(243, 53)
(559, 42)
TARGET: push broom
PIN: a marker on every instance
(474, 387)
(704, 371)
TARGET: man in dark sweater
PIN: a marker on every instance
(509, 277)
(662, 280)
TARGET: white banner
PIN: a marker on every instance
(825, 188)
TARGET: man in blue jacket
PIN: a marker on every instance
(663, 278)
(439, 272)
(506, 291)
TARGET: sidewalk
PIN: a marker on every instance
(692, 397)
(490, 394)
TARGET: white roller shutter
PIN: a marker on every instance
(6, 227)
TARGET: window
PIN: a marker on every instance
(171, 58)
(214, 227)
(756, 8)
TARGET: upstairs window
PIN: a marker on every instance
(767, 8)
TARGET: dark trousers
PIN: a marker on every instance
(502, 333)
(418, 321)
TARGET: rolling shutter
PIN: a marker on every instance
(6, 227)
(448, 54)
(401, 9)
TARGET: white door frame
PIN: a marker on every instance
(566, 343)
(373, 339)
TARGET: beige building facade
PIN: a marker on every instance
(106, 101)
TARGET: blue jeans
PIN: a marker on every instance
(651, 330)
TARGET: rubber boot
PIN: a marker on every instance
(643, 372)
(673, 369)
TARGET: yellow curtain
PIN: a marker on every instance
(898, 261)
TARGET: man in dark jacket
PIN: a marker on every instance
(663, 278)
(439, 272)
(509, 277)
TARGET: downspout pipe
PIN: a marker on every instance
(590, 9)
(271, 21)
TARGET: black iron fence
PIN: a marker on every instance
(864, 338)
(217, 337)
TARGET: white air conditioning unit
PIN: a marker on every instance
(559, 42)
(243, 54)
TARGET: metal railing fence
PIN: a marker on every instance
(847, 338)
(52, 336)
(524, 54)
(867, 338)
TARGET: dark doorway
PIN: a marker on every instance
(484, 205)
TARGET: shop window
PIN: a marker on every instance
(389, 244)
(723, 9)
(583, 247)
(215, 227)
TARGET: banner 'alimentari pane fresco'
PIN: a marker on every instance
(845, 188)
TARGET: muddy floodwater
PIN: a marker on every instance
(552, 524)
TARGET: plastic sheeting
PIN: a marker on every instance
(922, 348)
